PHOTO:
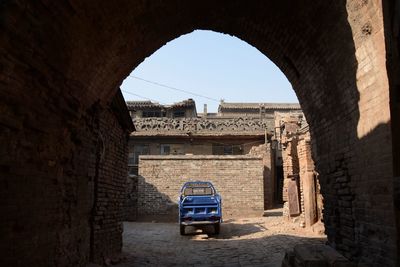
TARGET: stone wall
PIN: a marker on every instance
(239, 180)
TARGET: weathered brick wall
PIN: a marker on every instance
(239, 180)
(264, 151)
(352, 146)
(48, 222)
(298, 161)
(391, 26)
(110, 188)
(311, 198)
(290, 165)
(306, 167)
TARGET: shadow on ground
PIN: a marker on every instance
(239, 243)
(228, 230)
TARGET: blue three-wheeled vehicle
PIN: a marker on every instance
(199, 204)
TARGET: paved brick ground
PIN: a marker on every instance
(242, 242)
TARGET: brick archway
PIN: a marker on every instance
(67, 59)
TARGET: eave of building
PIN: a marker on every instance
(142, 104)
(189, 103)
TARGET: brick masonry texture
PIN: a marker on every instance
(82, 172)
(59, 58)
(110, 183)
(269, 186)
(299, 166)
(238, 179)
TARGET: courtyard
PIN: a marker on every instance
(258, 241)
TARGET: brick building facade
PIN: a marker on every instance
(237, 129)
(178, 129)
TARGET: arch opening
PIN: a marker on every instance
(228, 132)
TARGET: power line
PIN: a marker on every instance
(173, 88)
(129, 93)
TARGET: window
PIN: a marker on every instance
(172, 149)
(137, 151)
(165, 150)
(237, 150)
(131, 158)
(227, 149)
(133, 170)
(149, 114)
(179, 113)
(199, 191)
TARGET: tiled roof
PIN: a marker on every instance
(185, 103)
(274, 106)
(142, 104)
(148, 104)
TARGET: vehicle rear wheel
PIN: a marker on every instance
(182, 229)
(216, 228)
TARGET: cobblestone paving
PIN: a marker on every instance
(242, 242)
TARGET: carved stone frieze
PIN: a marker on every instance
(200, 126)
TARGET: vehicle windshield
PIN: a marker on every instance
(197, 189)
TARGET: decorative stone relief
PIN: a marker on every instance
(199, 126)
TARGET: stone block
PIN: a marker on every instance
(314, 256)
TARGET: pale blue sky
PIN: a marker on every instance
(211, 64)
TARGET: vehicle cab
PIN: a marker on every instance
(199, 204)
